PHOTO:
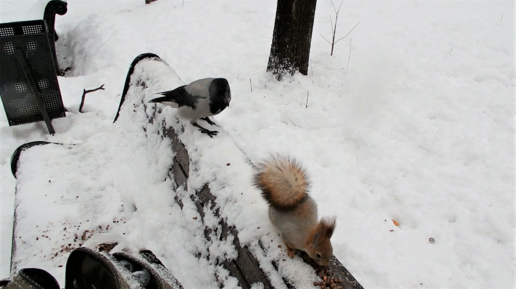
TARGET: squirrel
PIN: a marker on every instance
(284, 185)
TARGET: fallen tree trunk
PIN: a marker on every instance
(245, 267)
(207, 180)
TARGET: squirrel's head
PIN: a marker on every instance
(319, 245)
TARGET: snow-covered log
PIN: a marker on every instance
(245, 266)
(153, 181)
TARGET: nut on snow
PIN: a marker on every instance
(431, 240)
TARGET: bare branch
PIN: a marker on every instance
(333, 6)
(325, 39)
(331, 25)
(348, 33)
(335, 26)
(338, 10)
(84, 92)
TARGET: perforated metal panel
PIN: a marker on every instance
(19, 102)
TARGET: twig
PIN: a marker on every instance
(348, 33)
(336, 10)
(325, 39)
(333, 27)
(84, 92)
(501, 18)
(124, 10)
(251, 84)
(308, 93)
(349, 56)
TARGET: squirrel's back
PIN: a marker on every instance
(284, 185)
(283, 181)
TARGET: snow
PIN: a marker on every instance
(31, 11)
(418, 128)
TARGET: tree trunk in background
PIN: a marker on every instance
(292, 36)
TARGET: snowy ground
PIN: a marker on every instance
(418, 127)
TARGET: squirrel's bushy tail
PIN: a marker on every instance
(283, 182)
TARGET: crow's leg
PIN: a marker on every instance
(208, 120)
(206, 131)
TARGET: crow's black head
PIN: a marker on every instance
(220, 95)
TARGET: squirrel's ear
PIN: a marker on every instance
(329, 225)
(324, 229)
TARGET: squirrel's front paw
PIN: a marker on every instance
(290, 252)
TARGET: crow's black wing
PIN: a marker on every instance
(179, 96)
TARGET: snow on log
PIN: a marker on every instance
(245, 267)
(153, 181)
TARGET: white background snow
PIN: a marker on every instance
(418, 127)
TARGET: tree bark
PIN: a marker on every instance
(292, 36)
